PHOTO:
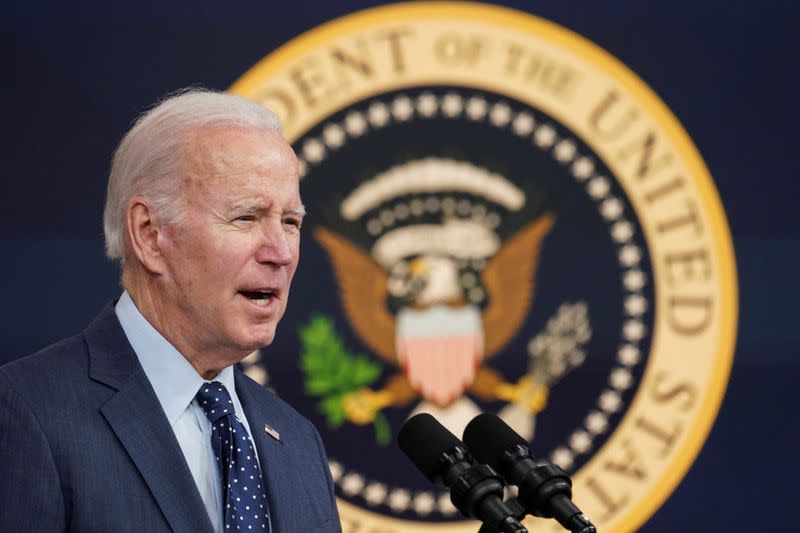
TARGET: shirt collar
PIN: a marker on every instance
(174, 379)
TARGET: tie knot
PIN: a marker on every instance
(215, 401)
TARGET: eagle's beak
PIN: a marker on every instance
(418, 268)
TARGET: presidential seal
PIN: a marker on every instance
(502, 218)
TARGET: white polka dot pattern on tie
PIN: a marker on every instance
(216, 404)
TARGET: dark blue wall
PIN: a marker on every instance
(73, 79)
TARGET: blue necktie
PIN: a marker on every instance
(245, 503)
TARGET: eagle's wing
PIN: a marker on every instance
(362, 283)
(509, 281)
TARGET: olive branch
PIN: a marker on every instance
(332, 372)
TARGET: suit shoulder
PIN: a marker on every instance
(50, 365)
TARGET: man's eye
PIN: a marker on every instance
(246, 218)
(292, 222)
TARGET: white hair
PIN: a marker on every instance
(148, 159)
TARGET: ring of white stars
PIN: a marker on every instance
(398, 499)
(566, 152)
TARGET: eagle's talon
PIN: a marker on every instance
(361, 406)
(525, 393)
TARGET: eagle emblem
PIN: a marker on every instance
(438, 300)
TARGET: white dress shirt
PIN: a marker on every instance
(176, 383)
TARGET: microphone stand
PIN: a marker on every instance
(512, 504)
(478, 486)
(546, 491)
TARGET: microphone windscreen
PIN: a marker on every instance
(487, 437)
(423, 439)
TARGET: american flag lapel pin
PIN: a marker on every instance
(272, 432)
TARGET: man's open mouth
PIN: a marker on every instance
(259, 297)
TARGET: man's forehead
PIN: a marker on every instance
(253, 161)
(229, 144)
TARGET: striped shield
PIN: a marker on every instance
(440, 349)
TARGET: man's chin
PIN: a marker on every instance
(260, 338)
(249, 335)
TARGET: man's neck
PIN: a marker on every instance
(167, 321)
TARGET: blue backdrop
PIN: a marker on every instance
(74, 78)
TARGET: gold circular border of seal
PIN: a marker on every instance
(271, 70)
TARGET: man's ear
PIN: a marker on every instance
(143, 234)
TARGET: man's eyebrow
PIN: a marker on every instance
(248, 207)
(299, 211)
(251, 207)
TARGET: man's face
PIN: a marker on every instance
(229, 266)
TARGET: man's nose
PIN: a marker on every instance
(275, 247)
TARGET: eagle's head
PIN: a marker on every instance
(426, 280)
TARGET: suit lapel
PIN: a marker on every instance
(136, 417)
(276, 467)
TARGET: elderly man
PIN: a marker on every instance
(141, 423)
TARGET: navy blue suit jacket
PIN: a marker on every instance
(85, 446)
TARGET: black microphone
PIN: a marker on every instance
(475, 490)
(545, 490)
